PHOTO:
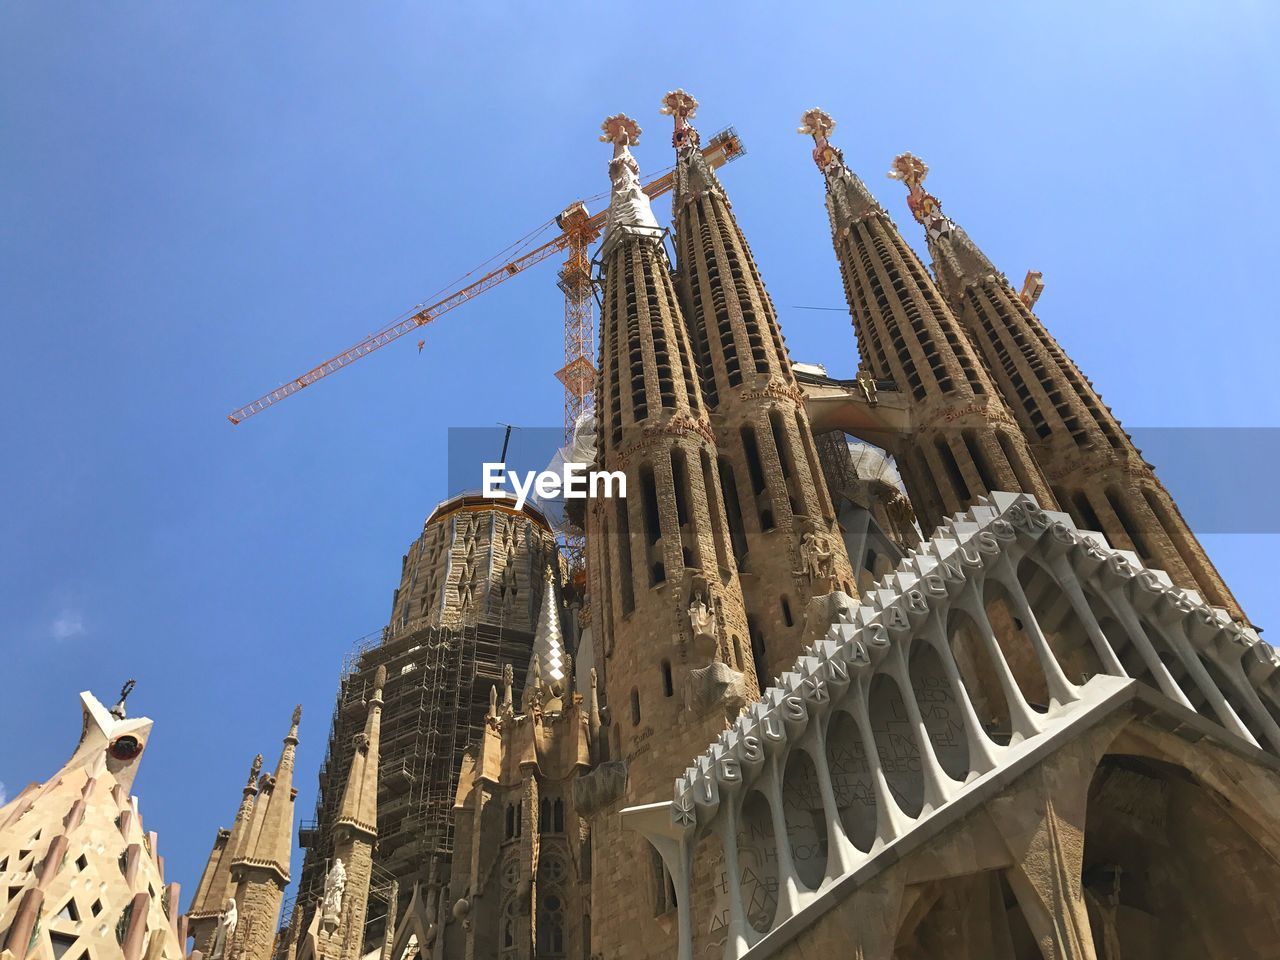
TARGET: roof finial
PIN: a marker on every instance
(118, 710)
(683, 106)
(924, 206)
(620, 130)
(629, 211)
(817, 123)
(255, 768)
(297, 719)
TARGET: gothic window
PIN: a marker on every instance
(557, 816)
(509, 924)
(544, 816)
(551, 869)
(623, 541)
(511, 874)
(652, 523)
(519, 818)
(551, 926)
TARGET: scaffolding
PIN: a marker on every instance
(435, 701)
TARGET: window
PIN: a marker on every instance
(62, 944)
(664, 887)
(786, 612)
(668, 688)
(557, 816)
(635, 707)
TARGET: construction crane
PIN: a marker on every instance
(579, 229)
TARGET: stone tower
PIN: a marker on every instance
(667, 603)
(81, 876)
(215, 886)
(521, 871)
(962, 441)
(1095, 470)
(336, 931)
(478, 560)
(470, 594)
(260, 871)
(783, 529)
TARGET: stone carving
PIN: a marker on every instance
(226, 929)
(900, 510)
(702, 617)
(599, 788)
(816, 557)
(508, 687)
(867, 384)
(716, 684)
(335, 885)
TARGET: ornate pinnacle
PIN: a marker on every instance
(255, 768)
(683, 106)
(818, 124)
(620, 130)
(547, 574)
(118, 710)
(380, 678)
(911, 170)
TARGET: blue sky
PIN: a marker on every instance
(200, 201)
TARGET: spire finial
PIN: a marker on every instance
(683, 107)
(297, 719)
(255, 768)
(118, 710)
(817, 123)
(924, 206)
(379, 680)
(620, 130)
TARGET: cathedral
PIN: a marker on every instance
(923, 664)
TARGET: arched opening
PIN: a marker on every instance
(940, 711)
(1015, 643)
(972, 916)
(806, 819)
(786, 612)
(1066, 635)
(652, 526)
(851, 781)
(896, 745)
(635, 707)
(978, 673)
(668, 688)
(1165, 862)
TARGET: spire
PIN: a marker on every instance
(359, 808)
(215, 883)
(630, 213)
(848, 198)
(547, 660)
(956, 258)
(693, 174)
(270, 840)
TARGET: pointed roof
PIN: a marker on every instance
(956, 257)
(77, 838)
(630, 213)
(548, 661)
(215, 882)
(270, 840)
(359, 807)
(848, 198)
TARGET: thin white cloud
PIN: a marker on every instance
(67, 624)
(4, 797)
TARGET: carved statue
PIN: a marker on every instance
(702, 617)
(900, 511)
(816, 557)
(508, 686)
(226, 929)
(867, 384)
(335, 885)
